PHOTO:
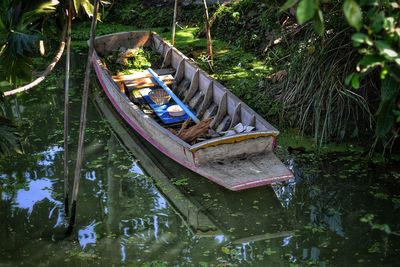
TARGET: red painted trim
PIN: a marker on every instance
(134, 125)
(256, 183)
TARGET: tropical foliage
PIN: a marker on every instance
(305, 73)
(377, 39)
(22, 28)
(20, 33)
(334, 76)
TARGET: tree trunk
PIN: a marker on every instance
(208, 30)
(174, 23)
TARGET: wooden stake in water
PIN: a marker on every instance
(79, 157)
(174, 23)
(208, 32)
(66, 109)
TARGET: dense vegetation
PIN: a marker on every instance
(26, 29)
(330, 70)
(378, 40)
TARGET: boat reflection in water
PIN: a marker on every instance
(207, 210)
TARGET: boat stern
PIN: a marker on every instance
(241, 162)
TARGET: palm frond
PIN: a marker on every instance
(18, 65)
(83, 5)
(35, 10)
(87, 7)
(19, 35)
(22, 42)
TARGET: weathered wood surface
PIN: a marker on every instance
(246, 172)
(111, 42)
(186, 69)
(173, 96)
(143, 74)
(147, 82)
(257, 146)
(133, 76)
(245, 147)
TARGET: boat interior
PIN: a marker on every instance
(227, 141)
(220, 113)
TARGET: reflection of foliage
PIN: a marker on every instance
(369, 219)
(345, 196)
(9, 135)
(183, 181)
(155, 263)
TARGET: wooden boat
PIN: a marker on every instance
(239, 161)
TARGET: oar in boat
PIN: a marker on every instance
(174, 97)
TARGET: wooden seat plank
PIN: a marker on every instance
(146, 82)
(142, 74)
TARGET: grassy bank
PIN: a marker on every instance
(236, 68)
(239, 70)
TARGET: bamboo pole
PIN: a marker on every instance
(174, 23)
(208, 32)
(79, 158)
(66, 108)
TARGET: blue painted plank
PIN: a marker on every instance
(161, 110)
(174, 97)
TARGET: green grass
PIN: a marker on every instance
(294, 138)
(239, 70)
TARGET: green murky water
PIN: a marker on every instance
(343, 210)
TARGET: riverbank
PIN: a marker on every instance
(239, 70)
(283, 70)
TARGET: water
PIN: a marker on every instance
(138, 208)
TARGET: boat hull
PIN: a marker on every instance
(250, 161)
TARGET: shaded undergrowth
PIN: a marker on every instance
(286, 73)
(306, 88)
(314, 97)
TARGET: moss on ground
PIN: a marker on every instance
(293, 138)
(239, 70)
